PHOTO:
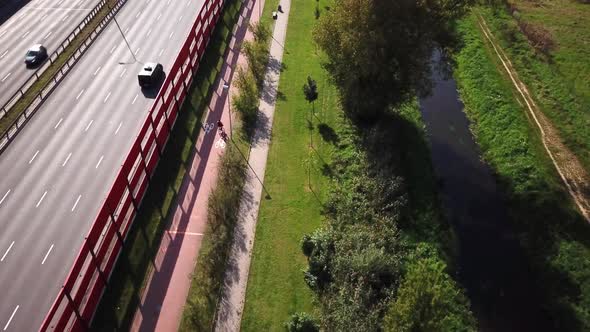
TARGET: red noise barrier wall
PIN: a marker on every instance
(79, 296)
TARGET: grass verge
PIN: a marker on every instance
(558, 81)
(554, 235)
(120, 300)
(275, 286)
(47, 76)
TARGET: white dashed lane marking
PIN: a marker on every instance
(106, 98)
(89, 124)
(58, 123)
(41, 200)
(7, 76)
(34, 156)
(3, 54)
(4, 197)
(10, 319)
(47, 254)
(67, 159)
(96, 71)
(76, 204)
(79, 94)
(6, 252)
(99, 161)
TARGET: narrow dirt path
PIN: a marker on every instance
(571, 171)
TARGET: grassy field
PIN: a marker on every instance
(121, 298)
(554, 235)
(559, 81)
(275, 287)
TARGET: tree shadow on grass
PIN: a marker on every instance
(328, 134)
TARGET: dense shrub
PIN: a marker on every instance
(246, 101)
(302, 322)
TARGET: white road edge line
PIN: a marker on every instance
(34, 156)
(7, 250)
(116, 131)
(89, 124)
(11, 317)
(106, 98)
(67, 159)
(99, 161)
(4, 197)
(76, 204)
(47, 254)
(58, 123)
(41, 200)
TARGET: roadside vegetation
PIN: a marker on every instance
(369, 222)
(48, 75)
(554, 235)
(225, 199)
(121, 298)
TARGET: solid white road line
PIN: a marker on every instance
(123, 72)
(3, 54)
(116, 131)
(34, 156)
(47, 36)
(89, 124)
(47, 254)
(5, 77)
(106, 98)
(134, 99)
(41, 200)
(99, 161)
(66, 161)
(76, 204)
(97, 69)
(7, 250)
(11, 317)
(4, 197)
(79, 94)
(58, 123)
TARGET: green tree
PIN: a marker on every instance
(302, 322)
(310, 90)
(246, 101)
(379, 51)
(429, 300)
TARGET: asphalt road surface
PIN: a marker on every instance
(60, 167)
(46, 22)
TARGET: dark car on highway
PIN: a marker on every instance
(36, 55)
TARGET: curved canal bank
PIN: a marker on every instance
(491, 263)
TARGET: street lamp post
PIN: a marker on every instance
(123, 34)
(226, 88)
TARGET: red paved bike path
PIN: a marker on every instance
(166, 291)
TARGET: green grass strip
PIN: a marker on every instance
(121, 298)
(48, 75)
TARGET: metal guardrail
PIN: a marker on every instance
(19, 122)
(78, 298)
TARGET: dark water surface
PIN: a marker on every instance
(491, 263)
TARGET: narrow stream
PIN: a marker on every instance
(491, 263)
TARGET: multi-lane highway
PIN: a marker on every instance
(46, 22)
(59, 168)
